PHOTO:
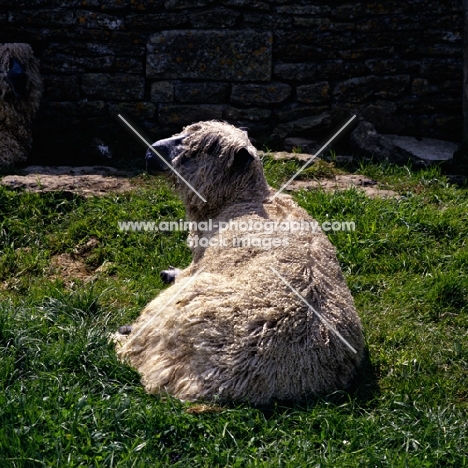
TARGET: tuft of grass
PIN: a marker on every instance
(65, 399)
(278, 172)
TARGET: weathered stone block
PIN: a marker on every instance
(91, 19)
(422, 87)
(214, 55)
(147, 5)
(428, 150)
(162, 91)
(260, 94)
(349, 11)
(434, 102)
(64, 17)
(302, 126)
(122, 87)
(42, 17)
(364, 52)
(434, 50)
(254, 120)
(390, 23)
(362, 88)
(253, 4)
(109, 5)
(315, 93)
(441, 69)
(452, 24)
(310, 44)
(215, 18)
(393, 65)
(182, 4)
(266, 21)
(310, 22)
(253, 114)
(342, 26)
(98, 49)
(382, 115)
(139, 110)
(296, 71)
(102, 4)
(303, 9)
(340, 69)
(305, 145)
(82, 108)
(366, 141)
(296, 111)
(393, 86)
(207, 93)
(106, 63)
(61, 88)
(178, 115)
(162, 20)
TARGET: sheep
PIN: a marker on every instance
(260, 315)
(20, 96)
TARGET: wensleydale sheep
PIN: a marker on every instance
(20, 95)
(230, 328)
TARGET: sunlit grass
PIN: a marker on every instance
(65, 400)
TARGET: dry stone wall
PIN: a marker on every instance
(281, 68)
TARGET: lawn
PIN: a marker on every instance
(66, 401)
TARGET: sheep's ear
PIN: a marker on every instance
(242, 160)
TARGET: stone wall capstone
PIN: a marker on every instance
(280, 68)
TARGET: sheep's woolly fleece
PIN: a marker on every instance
(229, 329)
(17, 109)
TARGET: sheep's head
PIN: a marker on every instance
(19, 72)
(217, 160)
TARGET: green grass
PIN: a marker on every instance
(284, 170)
(65, 400)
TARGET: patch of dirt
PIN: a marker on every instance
(204, 408)
(343, 182)
(65, 266)
(334, 183)
(284, 155)
(101, 180)
(70, 267)
(85, 180)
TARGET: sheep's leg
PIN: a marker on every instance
(125, 329)
(168, 276)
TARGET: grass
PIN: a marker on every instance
(284, 170)
(65, 400)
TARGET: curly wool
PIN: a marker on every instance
(17, 113)
(229, 329)
(205, 160)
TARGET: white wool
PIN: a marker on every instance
(229, 328)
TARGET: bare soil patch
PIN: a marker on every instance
(101, 180)
(85, 180)
(343, 182)
(70, 267)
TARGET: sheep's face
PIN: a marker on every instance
(15, 80)
(212, 143)
(19, 74)
(216, 159)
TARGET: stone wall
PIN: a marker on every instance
(281, 68)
